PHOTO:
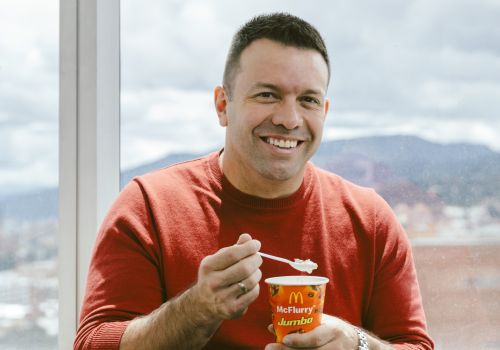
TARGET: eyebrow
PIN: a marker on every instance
(278, 89)
(311, 92)
(266, 85)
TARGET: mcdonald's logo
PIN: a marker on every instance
(296, 297)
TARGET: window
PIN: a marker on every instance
(29, 70)
(413, 93)
(412, 102)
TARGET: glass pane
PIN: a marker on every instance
(29, 38)
(414, 115)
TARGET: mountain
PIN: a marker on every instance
(128, 175)
(37, 205)
(401, 168)
(413, 158)
(461, 174)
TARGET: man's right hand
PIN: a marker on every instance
(217, 289)
(190, 320)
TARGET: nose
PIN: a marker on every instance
(288, 115)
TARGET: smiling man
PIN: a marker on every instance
(274, 106)
(171, 267)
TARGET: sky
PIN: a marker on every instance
(424, 68)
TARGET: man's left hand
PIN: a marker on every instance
(332, 334)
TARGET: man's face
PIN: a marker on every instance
(275, 120)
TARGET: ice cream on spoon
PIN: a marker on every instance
(304, 265)
(301, 265)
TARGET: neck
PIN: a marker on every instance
(246, 181)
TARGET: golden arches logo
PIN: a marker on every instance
(296, 295)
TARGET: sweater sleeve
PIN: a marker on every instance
(395, 311)
(125, 275)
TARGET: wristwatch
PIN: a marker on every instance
(363, 343)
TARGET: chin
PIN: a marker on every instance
(276, 169)
(278, 173)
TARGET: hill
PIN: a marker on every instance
(400, 168)
(461, 174)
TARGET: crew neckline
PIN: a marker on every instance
(227, 187)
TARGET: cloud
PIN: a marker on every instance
(426, 68)
(352, 125)
(29, 157)
(29, 37)
(397, 67)
(29, 61)
(163, 121)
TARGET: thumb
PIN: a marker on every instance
(244, 238)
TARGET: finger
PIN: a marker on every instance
(244, 238)
(325, 318)
(231, 255)
(270, 328)
(250, 283)
(319, 336)
(240, 271)
(241, 304)
(277, 346)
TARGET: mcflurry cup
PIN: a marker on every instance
(296, 303)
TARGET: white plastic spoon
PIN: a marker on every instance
(301, 265)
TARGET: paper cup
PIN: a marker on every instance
(296, 303)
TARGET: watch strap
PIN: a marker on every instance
(363, 342)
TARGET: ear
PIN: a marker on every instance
(221, 101)
(327, 105)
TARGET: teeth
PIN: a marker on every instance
(282, 143)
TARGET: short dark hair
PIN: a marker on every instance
(280, 27)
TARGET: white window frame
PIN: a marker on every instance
(89, 142)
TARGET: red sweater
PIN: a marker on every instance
(163, 224)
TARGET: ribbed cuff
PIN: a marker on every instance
(107, 336)
(408, 346)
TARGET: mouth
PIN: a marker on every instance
(281, 143)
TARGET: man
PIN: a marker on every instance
(171, 268)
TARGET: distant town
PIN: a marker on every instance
(449, 207)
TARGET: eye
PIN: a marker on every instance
(309, 100)
(266, 94)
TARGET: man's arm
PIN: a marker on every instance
(126, 282)
(395, 311)
(191, 319)
(333, 333)
(177, 321)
